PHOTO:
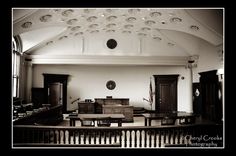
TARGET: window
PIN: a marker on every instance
(16, 55)
(15, 73)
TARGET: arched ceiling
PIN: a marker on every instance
(170, 26)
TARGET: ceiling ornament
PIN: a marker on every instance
(133, 11)
(78, 33)
(56, 10)
(170, 44)
(126, 32)
(150, 22)
(75, 28)
(142, 34)
(45, 18)
(155, 14)
(91, 18)
(175, 20)
(131, 19)
(67, 13)
(163, 22)
(72, 21)
(50, 42)
(63, 37)
(87, 11)
(111, 25)
(128, 26)
(157, 38)
(145, 29)
(26, 25)
(111, 18)
(194, 27)
(94, 31)
(110, 10)
(92, 26)
(110, 31)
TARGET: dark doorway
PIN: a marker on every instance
(211, 101)
(197, 98)
(166, 93)
(52, 79)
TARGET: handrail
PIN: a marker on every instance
(128, 137)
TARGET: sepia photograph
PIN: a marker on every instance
(118, 78)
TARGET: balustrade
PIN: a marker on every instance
(127, 137)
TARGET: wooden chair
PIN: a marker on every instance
(87, 123)
(168, 120)
(104, 122)
(187, 120)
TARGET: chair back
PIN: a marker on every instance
(168, 121)
(104, 122)
(187, 120)
(87, 123)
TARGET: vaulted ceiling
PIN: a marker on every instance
(178, 28)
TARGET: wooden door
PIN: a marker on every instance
(211, 102)
(55, 94)
(52, 78)
(166, 93)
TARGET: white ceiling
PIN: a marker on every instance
(181, 27)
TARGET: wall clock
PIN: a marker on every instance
(111, 85)
(111, 43)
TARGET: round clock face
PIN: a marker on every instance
(111, 43)
(111, 85)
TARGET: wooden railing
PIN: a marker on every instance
(128, 137)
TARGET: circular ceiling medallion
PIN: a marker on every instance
(194, 27)
(150, 22)
(145, 29)
(78, 33)
(111, 43)
(75, 28)
(175, 20)
(26, 25)
(111, 25)
(126, 32)
(67, 12)
(110, 31)
(93, 26)
(72, 21)
(131, 19)
(111, 18)
(45, 18)
(155, 14)
(91, 18)
(128, 26)
(111, 85)
(157, 38)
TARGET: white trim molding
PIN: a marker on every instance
(109, 60)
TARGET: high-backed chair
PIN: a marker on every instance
(104, 122)
(168, 120)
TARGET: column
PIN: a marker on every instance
(28, 81)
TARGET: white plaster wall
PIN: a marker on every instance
(131, 82)
(210, 58)
(95, 44)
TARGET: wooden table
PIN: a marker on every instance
(114, 118)
(158, 116)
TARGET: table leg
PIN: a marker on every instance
(149, 123)
(145, 122)
(72, 122)
(119, 123)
